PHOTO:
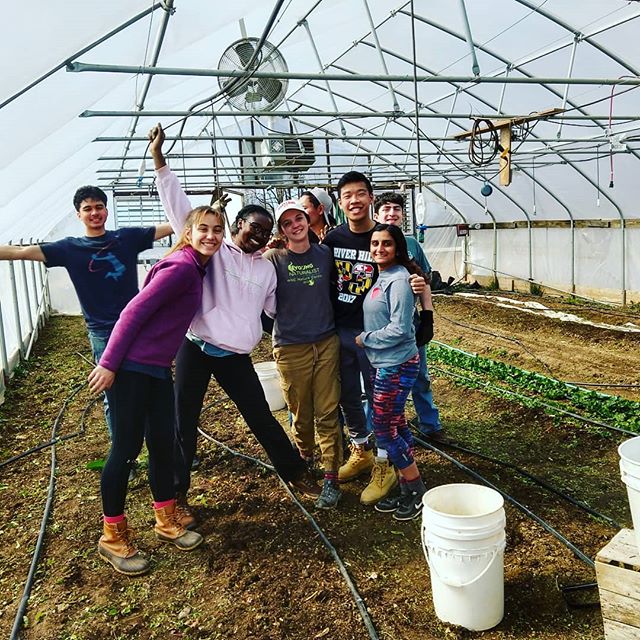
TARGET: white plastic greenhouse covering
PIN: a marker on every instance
(375, 85)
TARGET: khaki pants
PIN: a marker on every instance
(311, 384)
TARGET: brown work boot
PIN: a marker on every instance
(360, 462)
(117, 548)
(383, 479)
(306, 485)
(169, 529)
(185, 515)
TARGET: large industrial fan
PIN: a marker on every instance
(253, 94)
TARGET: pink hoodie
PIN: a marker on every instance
(238, 286)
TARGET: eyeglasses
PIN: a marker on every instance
(259, 230)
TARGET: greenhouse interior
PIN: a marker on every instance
(510, 129)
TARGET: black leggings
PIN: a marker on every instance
(237, 377)
(141, 408)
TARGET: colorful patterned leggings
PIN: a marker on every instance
(391, 386)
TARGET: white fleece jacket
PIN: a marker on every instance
(238, 286)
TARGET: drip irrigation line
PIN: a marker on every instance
(17, 623)
(545, 525)
(539, 481)
(602, 384)
(360, 603)
(55, 440)
(501, 337)
(576, 416)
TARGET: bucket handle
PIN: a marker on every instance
(453, 583)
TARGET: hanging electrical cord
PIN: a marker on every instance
(22, 607)
(360, 603)
(484, 145)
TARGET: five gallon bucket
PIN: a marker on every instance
(270, 381)
(463, 540)
(630, 472)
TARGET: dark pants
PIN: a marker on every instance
(237, 377)
(354, 370)
(141, 408)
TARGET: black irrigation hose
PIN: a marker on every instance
(17, 623)
(53, 441)
(545, 525)
(539, 481)
(360, 603)
(576, 416)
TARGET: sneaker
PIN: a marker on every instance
(330, 495)
(195, 463)
(383, 479)
(306, 485)
(360, 462)
(388, 504)
(410, 507)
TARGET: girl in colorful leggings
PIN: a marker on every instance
(390, 344)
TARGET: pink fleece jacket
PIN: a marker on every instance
(238, 286)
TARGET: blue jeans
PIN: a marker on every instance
(427, 412)
(98, 339)
(354, 369)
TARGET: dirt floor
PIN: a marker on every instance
(263, 571)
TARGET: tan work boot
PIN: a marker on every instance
(185, 515)
(169, 529)
(117, 548)
(383, 479)
(360, 462)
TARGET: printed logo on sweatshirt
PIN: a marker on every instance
(355, 279)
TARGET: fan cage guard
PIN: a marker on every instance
(254, 94)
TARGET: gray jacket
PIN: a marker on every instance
(389, 335)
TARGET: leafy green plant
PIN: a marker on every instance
(614, 410)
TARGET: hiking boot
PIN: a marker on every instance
(410, 506)
(383, 479)
(184, 513)
(360, 462)
(169, 529)
(116, 547)
(306, 485)
(330, 495)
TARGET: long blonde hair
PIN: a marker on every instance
(194, 218)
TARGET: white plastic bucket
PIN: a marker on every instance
(463, 540)
(630, 473)
(270, 381)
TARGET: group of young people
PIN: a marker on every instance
(343, 304)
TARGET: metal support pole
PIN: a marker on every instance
(374, 33)
(23, 271)
(32, 265)
(16, 306)
(3, 348)
(566, 89)
(475, 67)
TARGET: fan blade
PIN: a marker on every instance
(236, 89)
(269, 88)
(245, 51)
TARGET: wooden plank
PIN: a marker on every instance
(617, 580)
(504, 122)
(620, 608)
(505, 156)
(619, 631)
(622, 551)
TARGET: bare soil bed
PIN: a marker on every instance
(263, 571)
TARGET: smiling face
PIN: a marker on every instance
(383, 249)
(390, 213)
(355, 201)
(253, 232)
(93, 215)
(316, 216)
(206, 235)
(294, 225)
